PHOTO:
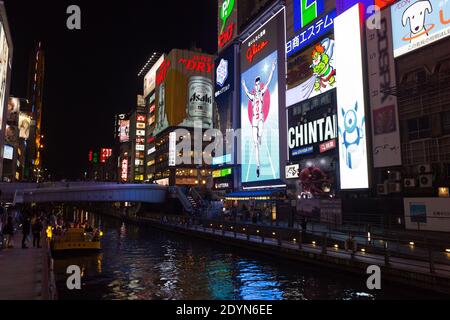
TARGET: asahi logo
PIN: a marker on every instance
(199, 98)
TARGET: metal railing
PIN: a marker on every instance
(418, 255)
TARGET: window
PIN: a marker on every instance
(419, 128)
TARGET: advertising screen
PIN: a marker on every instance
(13, 110)
(11, 134)
(416, 24)
(386, 146)
(8, 152)
(223, 93)
(24, 125)
(150, 77)
(312, 127)
(353, 162)
(124, 130)
(4, 65)
(227, 22)
(105, 154)
(262, 65)
(184, 91)
(312, 72)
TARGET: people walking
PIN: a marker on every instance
(9, 232)
(26, 229)
(37, 230)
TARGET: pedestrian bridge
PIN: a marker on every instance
(84, 192)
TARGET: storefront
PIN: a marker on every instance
(256, 206)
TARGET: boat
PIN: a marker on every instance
(74, 240)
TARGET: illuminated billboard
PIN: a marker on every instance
(312, 72)
(124, 130)
(150, 77)
(105, 154)
(24, 125)
(13, 110)
(262, 66)
(227, 22)
(416, 24)
(184, 90)
(124, 170)
(386, 144)
(223, 94)
(4, 66)
(11, 134)
(353, 161)
(8, 152)
(312, 127)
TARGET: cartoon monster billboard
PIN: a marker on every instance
(312, 72)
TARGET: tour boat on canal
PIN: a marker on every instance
(74, 240)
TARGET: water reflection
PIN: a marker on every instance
(140, 263)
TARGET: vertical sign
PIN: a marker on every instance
(263, 68)
(227, 22)
(172, 149)
(384, 108)
(223, 98)
(353, 160)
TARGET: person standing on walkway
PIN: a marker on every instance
(37, 230)
(26, 229)
(9, 232)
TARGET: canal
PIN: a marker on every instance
(142, 263)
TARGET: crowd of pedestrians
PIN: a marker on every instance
(29, 222)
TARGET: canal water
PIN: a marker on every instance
(142, 263)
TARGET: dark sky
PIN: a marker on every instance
(91, 74)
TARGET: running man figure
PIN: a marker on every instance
(257, 102)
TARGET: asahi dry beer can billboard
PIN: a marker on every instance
(184, 90)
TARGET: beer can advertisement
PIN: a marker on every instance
(261, 64)
(184, 90)
(416, 24)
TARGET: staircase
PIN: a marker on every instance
(194, 203)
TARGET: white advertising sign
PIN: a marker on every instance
(292, 171)
(172, 149)
(416, 24)
(381, 72)
(350, 101)
(427, 214)
(150, 77)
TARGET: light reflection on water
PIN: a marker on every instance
(140, 263)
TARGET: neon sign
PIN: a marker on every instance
(227, 13)
(198, 63)
(162, 72)
(306, 11)
(255, 49)
(311, 34)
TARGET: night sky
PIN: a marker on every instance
(91, 74)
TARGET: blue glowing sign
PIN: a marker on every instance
(311, 34)
(303, 151)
